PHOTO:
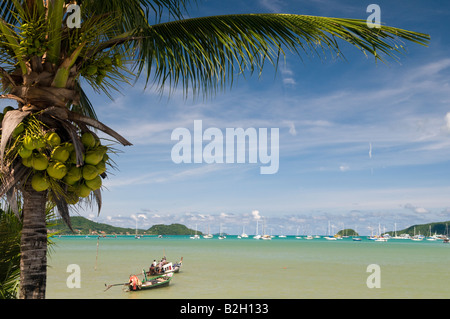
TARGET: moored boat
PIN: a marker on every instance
(135, 284)
(164, 267)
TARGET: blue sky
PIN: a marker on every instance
(361, 143)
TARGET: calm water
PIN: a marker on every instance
(287, 268)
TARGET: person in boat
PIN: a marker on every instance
(152, 271)
(134, 282)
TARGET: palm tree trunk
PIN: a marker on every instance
(33, 262)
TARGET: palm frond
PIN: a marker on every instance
(206, 53)
(85, 106)
(134, 12)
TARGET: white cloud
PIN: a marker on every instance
(415, 209)
(256, 215)
(447, 121)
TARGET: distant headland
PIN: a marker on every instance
(84, 226)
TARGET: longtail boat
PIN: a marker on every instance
(135, 284)
(166, 268)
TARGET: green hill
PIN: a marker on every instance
(347, 232)
(84, 226)
(173, 229)
(439, 228)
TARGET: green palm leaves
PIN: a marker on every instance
(205, 53)
(201, 54)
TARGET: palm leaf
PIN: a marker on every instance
(85, 106)
(10, 122)
(206, 53)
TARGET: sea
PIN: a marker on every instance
(82, 267)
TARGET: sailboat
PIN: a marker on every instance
(209, 235)
(297, 236)
(264, 236)
(356, 238)
(396, 236)
(432, 237)
(195, 236)
(221, 236)
(136, 236)
(257, 236)
(380, 237)
(243, 235)
(417, 237)
(329, 237)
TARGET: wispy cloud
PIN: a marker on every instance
(275, 6)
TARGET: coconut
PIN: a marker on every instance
(101, 167)
(103, 149)
(40, 183)
(60, 154)
(88, 140)
(27, 161)
(94, 157)
(89, 172)
(32, 143)
(19, 129)
(91, 70)
(39, 162)
(57, 170)
(69, 147)
(73, 175)
(25, 152)
(73, 157)
(53, 139)
(82, 190)
(28, 143)
(39, 142)
(95, 183)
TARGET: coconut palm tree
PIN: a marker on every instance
(51, 50)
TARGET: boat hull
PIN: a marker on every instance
(152, 283)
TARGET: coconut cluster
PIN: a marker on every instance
(52, 160)
(101, 67)
(33, 40)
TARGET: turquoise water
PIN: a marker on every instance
(286, 268)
